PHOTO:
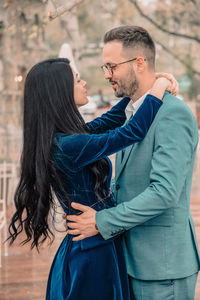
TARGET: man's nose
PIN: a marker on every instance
(107, 74)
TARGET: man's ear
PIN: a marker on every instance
(140, 64)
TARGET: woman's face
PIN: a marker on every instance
(80, 92)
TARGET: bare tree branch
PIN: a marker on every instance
(160, 27)
(62, 9)
(8, 3)
(177, 57)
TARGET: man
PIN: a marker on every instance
(152, 181)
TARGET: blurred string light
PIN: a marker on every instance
(21, 74)
(18, 78)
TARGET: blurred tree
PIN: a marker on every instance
(23, 27)
(180, 20)
(178, 23)
(21, 43)
(173, 17)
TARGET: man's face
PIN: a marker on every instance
(123, 78)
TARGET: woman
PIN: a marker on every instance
(64, 156)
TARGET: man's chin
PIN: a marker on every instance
(118, 95)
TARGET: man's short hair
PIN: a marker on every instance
(133, 37)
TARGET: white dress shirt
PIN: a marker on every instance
(132, 107)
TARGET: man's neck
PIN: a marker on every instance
(145, 84)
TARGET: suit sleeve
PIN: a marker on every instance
(112, 119)
(79, 150)
(175, 144)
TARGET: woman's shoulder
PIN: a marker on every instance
(63, 151)
(69, 142)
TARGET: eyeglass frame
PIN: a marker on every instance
(109, 68)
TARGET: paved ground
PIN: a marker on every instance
(24, 272)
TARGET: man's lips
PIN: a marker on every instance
(113, 83)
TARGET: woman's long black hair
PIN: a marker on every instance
(49, 108)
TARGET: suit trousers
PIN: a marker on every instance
(176, 289)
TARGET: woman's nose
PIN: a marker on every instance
(84, 83)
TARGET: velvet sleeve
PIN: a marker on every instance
(110, 120)
(80, 150)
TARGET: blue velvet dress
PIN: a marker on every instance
(94, 268)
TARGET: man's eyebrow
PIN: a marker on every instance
(110, 64)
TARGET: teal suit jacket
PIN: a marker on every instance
(152, 189)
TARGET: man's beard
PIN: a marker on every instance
(126, 87)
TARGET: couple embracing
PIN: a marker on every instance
(139, 241)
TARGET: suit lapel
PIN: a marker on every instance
(121, 163)
(118, 159)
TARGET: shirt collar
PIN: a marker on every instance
(132, 107)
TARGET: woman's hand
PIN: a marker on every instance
(174, 87)
(161, 85)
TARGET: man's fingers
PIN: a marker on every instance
(72, 225)
(73, 218)
(73, 232)
(79, 206)
(78, 238)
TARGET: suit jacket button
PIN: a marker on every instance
(117, 186)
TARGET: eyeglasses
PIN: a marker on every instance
(110, 68)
